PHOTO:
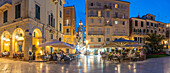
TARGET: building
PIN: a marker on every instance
(106, 20)
(69, 27)
(168, 32)
(141, 26)
(25, 24)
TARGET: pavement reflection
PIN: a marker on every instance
(87, 64)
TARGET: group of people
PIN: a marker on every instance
(61, 56)
(123, 55)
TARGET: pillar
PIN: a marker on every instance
(10, 48)
(0, 46)
(27, 45)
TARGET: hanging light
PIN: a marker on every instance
(7, 40)
(16, 36)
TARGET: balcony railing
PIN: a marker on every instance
(3, 2)
(96, 33)
(108, 24)
(120, 34)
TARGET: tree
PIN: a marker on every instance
(154, 41)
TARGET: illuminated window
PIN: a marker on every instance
(107, 21)
(99, 13)
(116, 5)
(116, 22)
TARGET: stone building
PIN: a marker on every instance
(69, 27)
(106, 20)
(141, 26)
(25, 24)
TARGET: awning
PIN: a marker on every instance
(120, 43)
(134, 45)
(58, 44)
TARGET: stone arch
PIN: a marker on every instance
(36, 40)
(5, 41)
(18, 40)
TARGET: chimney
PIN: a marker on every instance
(138, 16)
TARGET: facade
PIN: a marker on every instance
(25, 24)
(69, 27)
(168, 32)
(141, 26)
(106, 20)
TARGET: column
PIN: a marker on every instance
(10, 47)
(27, 45)
(0, 46)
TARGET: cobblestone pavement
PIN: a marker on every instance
(87, 64)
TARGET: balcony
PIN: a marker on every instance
(95, 16)
(5, 4)
(120, 34)
(96, 33)
(108, 24)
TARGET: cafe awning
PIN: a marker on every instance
(58, 44)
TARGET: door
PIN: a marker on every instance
(20, 48)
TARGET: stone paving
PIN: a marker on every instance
(87, 64)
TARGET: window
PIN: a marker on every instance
(60, 2)
(136, 23)
(116, 22)
(67, 11)
(99, 13)
(151, 24)
(108, 14)
(100, 21)
(116, 5)
(5, 16)
(60, 27)
(99, 40)
(116, 14)
(91, 4)
(107, 39)
(91, 13)
(92, 39)
(18, 11)
(135, 39)
(151, 31)
(147, 30)
(147, 23)
(141, 23)
(37, 12)
(92, 21)
(67, 31)
(108, 31)
(98, 4)
(159, 29)
(51, 36)
(60, 14)
(123, 22)
(67, 22)
(99, 30)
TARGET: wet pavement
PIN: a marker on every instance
(87, 64)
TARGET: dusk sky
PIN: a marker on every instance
(160, 8)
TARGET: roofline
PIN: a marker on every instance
(123, 2)
(147, 19)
